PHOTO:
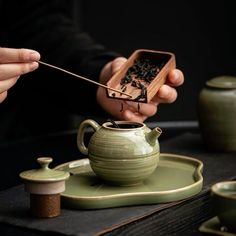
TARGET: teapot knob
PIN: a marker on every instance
(44, 161)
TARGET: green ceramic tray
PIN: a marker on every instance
(176, 177)
(213, 226)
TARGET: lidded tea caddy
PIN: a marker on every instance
(217, 113)
(124, 155)
(44, 186)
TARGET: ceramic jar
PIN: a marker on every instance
(124, 155)
(217, 113)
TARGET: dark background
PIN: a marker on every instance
(200, 34)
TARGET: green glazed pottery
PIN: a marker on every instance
(217, 113)
(176, 178)
(44, 180)
(224, 203)
(123, 155)
(213, 226)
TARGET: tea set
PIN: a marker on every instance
(124, 163)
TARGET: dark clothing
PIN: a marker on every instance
(43, 100)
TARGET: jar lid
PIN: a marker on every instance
(222, 82)
(44, 174)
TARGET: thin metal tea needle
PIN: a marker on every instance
(84, 78)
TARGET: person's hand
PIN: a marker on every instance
(14, 63)
(129, 110)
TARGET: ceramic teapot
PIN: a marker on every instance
(217, 113)
(122, 154)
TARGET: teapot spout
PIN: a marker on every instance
(153, 135)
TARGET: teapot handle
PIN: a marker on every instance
(81, 131)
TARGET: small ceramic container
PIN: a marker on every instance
(124, 155)
(224, 203)
(217, 113)
(44, 186)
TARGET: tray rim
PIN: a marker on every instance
(196, 187)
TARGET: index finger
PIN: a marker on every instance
(8, 55)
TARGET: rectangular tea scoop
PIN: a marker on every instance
(142, 75)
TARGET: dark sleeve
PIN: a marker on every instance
(45, 96)
(48, 26)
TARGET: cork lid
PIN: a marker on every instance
(44, 174)
(224, 82)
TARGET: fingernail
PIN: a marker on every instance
(34, 56)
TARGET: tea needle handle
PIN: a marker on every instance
(84, 78)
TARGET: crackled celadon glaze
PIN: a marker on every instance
(217, 113)
(121, 156)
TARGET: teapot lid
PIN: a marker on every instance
(222, 82)
(44, 174)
